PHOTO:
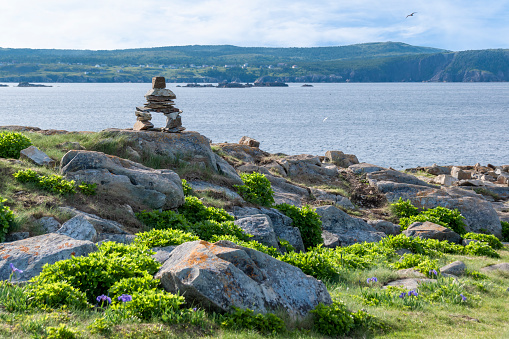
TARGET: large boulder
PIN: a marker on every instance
(286, 192)
(395, 184)
(29, 255)
(429, 230)
(79, 228)
(307, 166)
(134, 182)
(341, 159)
(260, 227)
(101, 225)
(364, 167)
(480, 216)
(349, 230)
(222, 275)
(242, 152)
(385, 226)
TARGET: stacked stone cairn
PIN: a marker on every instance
(160, 100)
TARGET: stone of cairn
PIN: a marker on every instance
(160, 100)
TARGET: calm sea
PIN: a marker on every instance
(390, 124)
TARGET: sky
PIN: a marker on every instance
(118, 24)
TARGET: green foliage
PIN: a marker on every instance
(87, 189)
(13, 297)
(320, 263)
(481, 248)
(97, 272)
(427, 266)
(256, 189)
(194, 211)
(61, 332)
(188, 190)
(285, 244)
(476, 275)
(207, 229)
(149, 304)
(133, 285)
(164, 220)
(487, 238)
(53, 183)
(505, 230)
(438, 215)
(6, 219)
(446, 290)
(162, 238)
(255, 245)
(409, 260)
(247, 319)
(56, 294)
(403, 208)
(11, 143)
(307, 221)
(333, 320)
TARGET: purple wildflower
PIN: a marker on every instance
(14, 269)
(373, 279)
(195, 309)
(102, 298)
(463, 297)
(433, 271)
(413, 293)
(402, 295)
(125, 298)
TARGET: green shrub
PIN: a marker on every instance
(256, 189)
(11, 143)
(61, 332)
(505, 230)
(97, 272)
(56, 294)
(162, 238)
(164, 220)
(6, 219)
(403, 208)
(285, 245)
(307, 221)
(253, 244)
(205, 230)
(87, 189)
(13, 298)
(247, 319)
(408, 261)
(133, 285)
(490, 239)
(149, 304)
(194, 211)
(188, 190)
(438, 215)
(27, 175)
(322, 265)
(428, 267)
(333, 320)
(53, 183)
(481, 248)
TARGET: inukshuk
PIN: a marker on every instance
(160, 100)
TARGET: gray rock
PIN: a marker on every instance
(330, 240)
(125, 178)
(344, 202)
(465, 242)
(250, 168)
(70, 145)
(101, 225)
(438, 170)
(305, 165)
(200, 186)
(364, 167)
(337, 199)
(285, 192)
(390, 175)
(384, 226)
(224, 168)
(221, 275)
(249, 142)
(242, 152)
(341, 159)
(79, 228)
(162, 253)
(479, 214)
(349, 230)
(29, 255)
(120, 238)
(456, 268)
(460, 174)
(410, 273)
(445, 180)
(49, 224)
(409, 283)
(38, 157)
(15, 236)
(502, 267)
(260, 227)
(429, 230)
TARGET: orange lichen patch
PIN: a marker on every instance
(68, 245)
(6, 256)
(24, 249)
(73, 254)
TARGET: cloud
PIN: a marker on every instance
(114, 24)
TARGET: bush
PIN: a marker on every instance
(487, 238)
(54, 295)
(403, 208)
(333, 320)
(149, 304)
(439, 215)
(164, 220)
(61, 332)
(87, 189)
(194, 211)
(11, 143)
(27, 175)
(96, 273)
(307, 221)
(322, 265)
(53, 183)
(481, 248)
(505, 230)
(133, 285)
(256, 189)
(247, 319)
(188, 190)
(207, 229)
(162, 238)
(6, 219)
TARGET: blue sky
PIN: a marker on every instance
(117, 24)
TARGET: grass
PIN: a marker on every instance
(420, 173)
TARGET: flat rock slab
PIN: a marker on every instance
(429, 230)
(221, 275)
(29, 255)
(456, 268)
(35, 155)
(260, 227)
(364, 167)
(410, 273)
(408, 283)
(502, 267)
(79, 228)
(201, 186)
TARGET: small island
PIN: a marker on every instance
(27, 84)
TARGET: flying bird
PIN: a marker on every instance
(325, 119)
(410, 14)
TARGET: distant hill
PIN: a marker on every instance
(370, 62)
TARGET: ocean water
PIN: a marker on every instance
(389, 124)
